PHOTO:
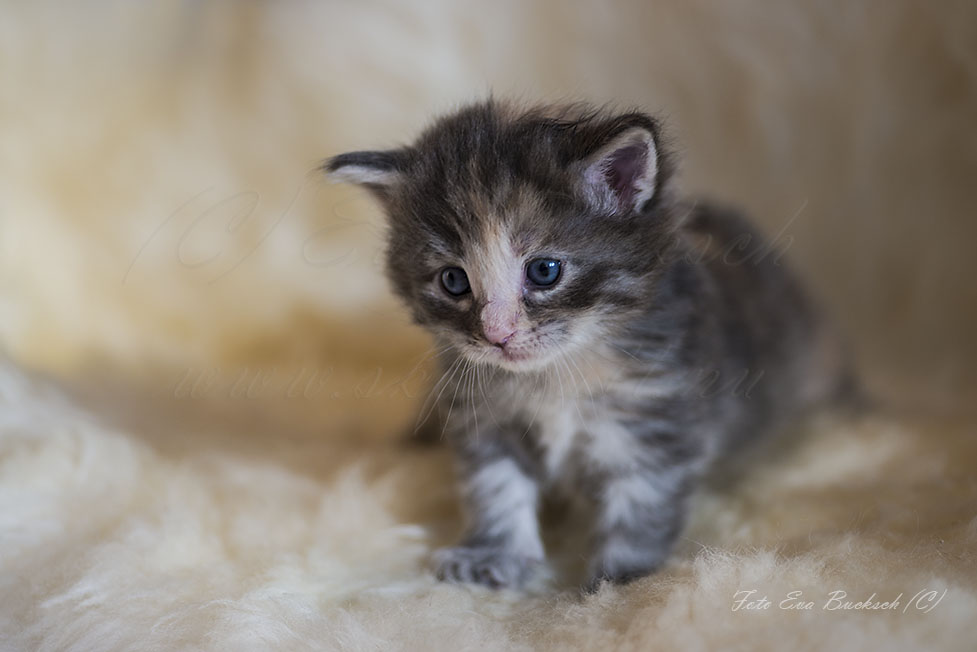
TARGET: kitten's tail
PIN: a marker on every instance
(429, 432)
(851, 397)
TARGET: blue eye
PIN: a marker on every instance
(455, 281)
(543, 271)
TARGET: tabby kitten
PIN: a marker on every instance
(598, 334)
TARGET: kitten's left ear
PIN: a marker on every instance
(621, 176)
(377, 170)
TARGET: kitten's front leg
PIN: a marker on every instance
(640, 512)
(501, 546)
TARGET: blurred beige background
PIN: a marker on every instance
(159, 216)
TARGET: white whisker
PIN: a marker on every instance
(428, 406)
(451, 405)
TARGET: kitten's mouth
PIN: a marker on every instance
(515, 356)
(515, 359)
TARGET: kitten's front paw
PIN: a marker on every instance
(622, 577)
(493, 567)
(617, 574)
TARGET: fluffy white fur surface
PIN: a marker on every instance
(204, 380)
(195, 532)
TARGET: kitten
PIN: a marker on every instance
(599, 334)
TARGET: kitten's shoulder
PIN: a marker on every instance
(714, 230)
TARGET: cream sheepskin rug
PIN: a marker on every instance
(197, 532)
(204, 382)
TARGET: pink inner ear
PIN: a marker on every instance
(622, 169)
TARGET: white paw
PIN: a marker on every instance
(492, 567)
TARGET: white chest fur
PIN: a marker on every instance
(569, 419)
(580, 437)
(560, 430)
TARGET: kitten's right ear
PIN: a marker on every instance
(378, 171)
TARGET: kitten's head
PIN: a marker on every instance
(518, 237)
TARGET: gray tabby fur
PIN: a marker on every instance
(675, 335)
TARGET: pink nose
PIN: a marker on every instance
(498, 336)
(499, 321)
